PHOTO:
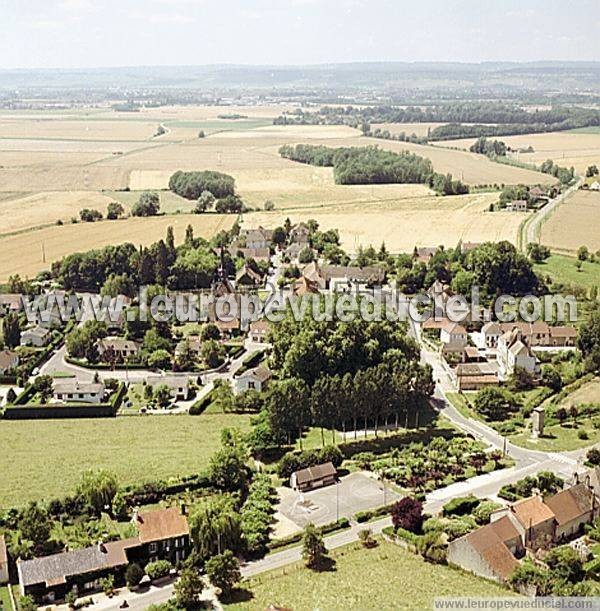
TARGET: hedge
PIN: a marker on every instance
(22, 410)
(200, 405)
(251, 361)
(341, 524)
(460, 506)
(365, 516)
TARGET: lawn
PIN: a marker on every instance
(4, 599)
(386, 577)
(44, 459)
(562, 269)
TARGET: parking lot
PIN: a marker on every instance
(354, 492)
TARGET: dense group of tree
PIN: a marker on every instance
(490, 148)
(339, 375)
(564, 175)
(371, 165)
(122, 268)
(191, 184)
(507, 118)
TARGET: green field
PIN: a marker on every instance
(562, 269)
(45, 458)
(221, 125)
(170, 203)
(386, 577)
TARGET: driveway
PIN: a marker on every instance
(355, 492)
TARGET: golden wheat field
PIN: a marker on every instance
(24, 253)
(55, 163)
(577, 148)
(574, 223)
(418, 221)
(23, 211)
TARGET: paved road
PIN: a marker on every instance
(534, 222)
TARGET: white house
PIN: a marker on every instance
(491, 333)
(117, 347)
(453, 337)
(36, 336)
(514, 352)
(253, 379)
(73, 391)
(259, 329)
(178, 385)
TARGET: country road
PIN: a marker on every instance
(533, 225)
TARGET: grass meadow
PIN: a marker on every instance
(385, 577)
(43, 459)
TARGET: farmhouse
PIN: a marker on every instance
(300, 234)
(117, 348)
(488, 551)
(253, 379)
(247, 277)
(52, 577)
(513, 351)
(258, 254)
(164, 534)
(573, 508)
(11, 302)
(257, 238)
(259, 330)
(313, 477)
(491, 333)
(519, 205)
(178, 385)
(161, 534)
(37, 337)
(8, 360)
(339, 277)
(453, 337)
(304, 286)
(76, 391)
(563, 336)
(3, 561)
(475, 376)
(529, 524)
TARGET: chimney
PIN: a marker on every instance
(102, 547)
(135, 518)
(184, 510)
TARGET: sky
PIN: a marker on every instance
(103, 33)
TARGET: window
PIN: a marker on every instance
(153, 548)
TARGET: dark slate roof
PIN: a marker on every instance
(55, 569)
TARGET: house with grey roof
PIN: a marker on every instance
(74, 391)
(37, 337)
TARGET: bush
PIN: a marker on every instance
(407, 513)
(133, 575)
(158, 569)
(191, 184)
(460, 506)
(593, 456)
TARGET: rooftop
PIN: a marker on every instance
(161, 524)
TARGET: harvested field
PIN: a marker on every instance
(170, 203)
(576, 222)
(22, 253)
(574, 148)
(420, 221)
(31, 210)
(80, 129)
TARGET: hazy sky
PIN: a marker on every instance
(85, 33)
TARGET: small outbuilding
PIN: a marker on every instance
(314, 477)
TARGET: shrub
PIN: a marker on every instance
(460, 506)
(133, 575)
(158, 569)
(593, 456)
(407, 513)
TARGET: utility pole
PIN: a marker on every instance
(337, 500)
